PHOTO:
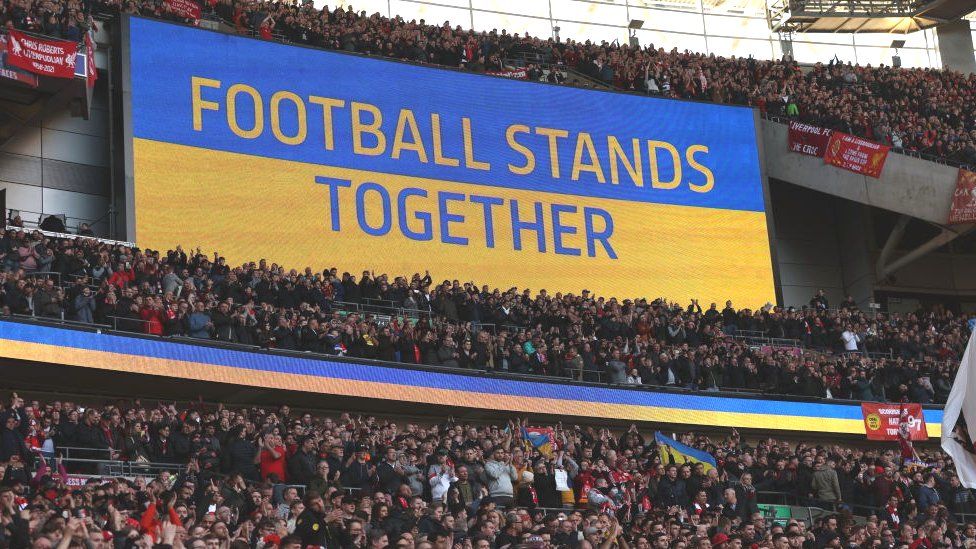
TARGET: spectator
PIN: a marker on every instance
(850, 339)
(84, 306)
(199, 321)
(501, 476)
(824, 483)
(666, 344)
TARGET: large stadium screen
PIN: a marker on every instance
(314, 158)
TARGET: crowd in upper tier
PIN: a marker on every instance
(838, 350)
(261, 478)
(924, 110)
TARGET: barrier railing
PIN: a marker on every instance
(53, 234)
(103, 462)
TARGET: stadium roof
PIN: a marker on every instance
(875, 16)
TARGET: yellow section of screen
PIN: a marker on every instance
(249, 208)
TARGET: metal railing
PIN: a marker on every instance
(124, 320)
(827, 507)
(69, 222)
(53, 234)
(102, 461)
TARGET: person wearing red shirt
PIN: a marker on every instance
(152, 316)
(123, 277)
(271, 458)
(266, 27)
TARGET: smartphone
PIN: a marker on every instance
(212, 508)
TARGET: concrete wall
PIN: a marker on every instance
(854, 242)
(60, 165)
(937, 273)
(907, 185)
(824, 226)
(956, 46)
(805, 245)
(822, 241)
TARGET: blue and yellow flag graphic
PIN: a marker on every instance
(540, 438)
(672, 451)
(454, 172)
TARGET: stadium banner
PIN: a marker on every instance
(432, 386)
(963, 206)
(806, 139)
(882, 420)
(520, 73)
(315, 158)
(13, 73)
(186, 9)
(44, 56)
(856, 154)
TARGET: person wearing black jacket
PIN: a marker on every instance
(222, 323)
(12, 441)
(135, 445)
(96, 434)
(358, 472)
(312, 337)
(239, 455)
(16, 530)
(283, 337)
(302, 465)
(390, 472)
(671, 490)
(180, 442)
(314, 526)
(544, 482)
(161, 448)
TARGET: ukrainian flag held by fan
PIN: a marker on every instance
(542, 439)
(672, 451)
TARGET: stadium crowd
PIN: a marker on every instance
(263, 478)
(923, 110)
(838, 352)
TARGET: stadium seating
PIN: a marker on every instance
(925, 112)
(212, 476)
(815, 350)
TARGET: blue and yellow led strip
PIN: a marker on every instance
(334, 377)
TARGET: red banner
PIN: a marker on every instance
(187, 9)
(92, 71)
(44, 56)
(882, 421)
(807, 139)
(963, 207)
(856, 154)
(11, 73)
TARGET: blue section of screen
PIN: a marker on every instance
(165, 57)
